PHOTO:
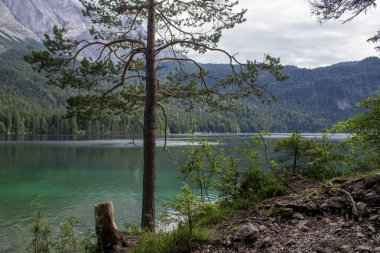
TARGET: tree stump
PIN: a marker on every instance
(109, 238)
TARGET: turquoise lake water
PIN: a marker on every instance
(72, 176)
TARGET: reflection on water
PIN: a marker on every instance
(74, 175)
(72, 179)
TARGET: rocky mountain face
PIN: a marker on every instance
(31, 19)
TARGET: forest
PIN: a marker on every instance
(29, 105)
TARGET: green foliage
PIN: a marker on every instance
(177, 241)
(314, 158)
(65, 240)
(365, 125)
(3, 128)
(332, 93)
(186, 207)
(326, 159)
(363, 145)
(257, 185)
(204, 162)
(291, 152)
(41, 240)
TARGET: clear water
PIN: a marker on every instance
(74, 175)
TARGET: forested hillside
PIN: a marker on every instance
(310, 100)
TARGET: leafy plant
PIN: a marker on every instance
(184, 208)
(291, 152)
(41, 240)
(325, 159)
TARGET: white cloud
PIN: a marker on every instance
(286, 29)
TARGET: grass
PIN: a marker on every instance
(179, 241)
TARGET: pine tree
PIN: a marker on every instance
(128, 58)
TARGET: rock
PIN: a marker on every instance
(304, 228)
(373, 182)
(286, 212)
(294, 222)
(239, 246)
(336, 202)
(262, 228)
(298, 216)
(241, 250)
(360, 235)
(228, 240)
(377, 240)
(363, 249)
(376, 250)
(361, 206)
(326, 220)
(373, 217)
(290, 242)
(372, 229)
(328, 244)
(247, 233)
(345, 249)
(265, 243)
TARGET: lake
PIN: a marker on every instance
(73, 173)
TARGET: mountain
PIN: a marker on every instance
(27, 20)
(310, 100)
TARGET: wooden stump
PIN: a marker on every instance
(109, 238)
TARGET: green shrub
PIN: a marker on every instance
(257, 185)
(178, 241)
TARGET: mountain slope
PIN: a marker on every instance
(31, 19)
(310, 100)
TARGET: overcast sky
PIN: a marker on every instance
(286, 29)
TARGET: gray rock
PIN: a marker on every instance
(290, 242)
(262, 228)
(246, 233)
(328, 244)
(238, 245)
(372, 229)
(336, 202)
(361, 206)
(228, 240)
(358, 228)
(286, 212)
(345, 249)
(376, 250)
(373, 181)
(298, 216)
(374, 217)
(265, 243)
(363, 249)
(360, 235)
(326, 220)
(294, 222)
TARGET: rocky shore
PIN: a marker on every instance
(342, 215)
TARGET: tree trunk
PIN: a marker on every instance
(149, 178)
(109, 238)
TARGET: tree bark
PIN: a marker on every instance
(149, 178)
(109, 238)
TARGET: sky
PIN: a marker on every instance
(286, 29)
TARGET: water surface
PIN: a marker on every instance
(72, 174)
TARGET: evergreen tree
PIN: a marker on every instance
(292, 151)
(127, 57)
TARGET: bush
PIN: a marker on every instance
(257, 185)
(178, 241)
(66, 239)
